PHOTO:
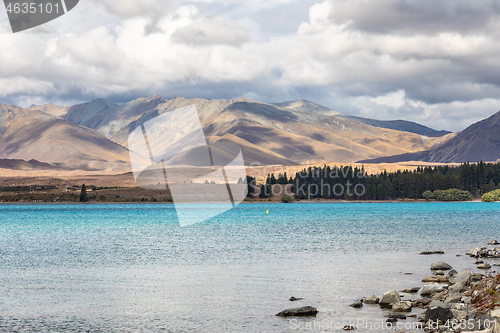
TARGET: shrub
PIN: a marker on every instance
(491, 196)
(285, 198)
(451, 194)
(428, 195)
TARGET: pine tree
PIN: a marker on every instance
(83, 194)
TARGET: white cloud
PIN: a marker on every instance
(389, 59)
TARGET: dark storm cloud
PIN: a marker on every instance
(416, 16)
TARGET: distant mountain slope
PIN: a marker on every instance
(398, 125)
(401, 125)
(307, 106)
(478, 142)
(30, 134)
(101, 115)
(17, 164)
(286, 133)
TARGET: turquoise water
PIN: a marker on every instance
(131, 267)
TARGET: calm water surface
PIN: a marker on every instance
(129, 268)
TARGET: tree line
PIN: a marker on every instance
(346, 182)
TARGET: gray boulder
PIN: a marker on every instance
(372, 300)
(431, 252)
(411, 290)
(357, 304)
(464, 276)
(432, 288)
(396, 315)
(389, 298)
(458, 287)
(305, 311)
(437, 278)
(445, 305)
(403, 306)
(454, 298)
(441, 265)
(438, 314)
(459, 314)
(476, 277)
(478, 252)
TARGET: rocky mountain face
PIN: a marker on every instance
(29, 134)
(478, 142)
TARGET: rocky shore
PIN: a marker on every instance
(449, 301)
(446, 302)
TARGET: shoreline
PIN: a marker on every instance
(323, 201)
(450, 302)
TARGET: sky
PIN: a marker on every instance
(433, 62)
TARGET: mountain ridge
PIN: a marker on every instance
(478, 142)
(293, 132)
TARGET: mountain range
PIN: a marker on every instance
(94, 135)
(478, 142)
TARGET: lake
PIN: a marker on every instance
(131, 267)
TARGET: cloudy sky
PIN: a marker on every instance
(434, 62)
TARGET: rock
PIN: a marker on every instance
(403, 306)
(459, 315)
(389, 298)
(466, 299)
(420, 303)
(452, 272)
(392, 320)
(464, 276)
(431, 252)
(438, 273)
(348, 328)
(435, 304)
(293, 299)
(441, 266)
(304, 311)
(372, 300)
(494, 242)
(396, 315)
(357, 304)
(411, 290)
(495, 313)
(476, 277)
(437, 279)
(484, 266)
(479, 262)
(432, 288)
(438, 314)
(478, 252)
(458, 287)
(440, 296)
(454, 298)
